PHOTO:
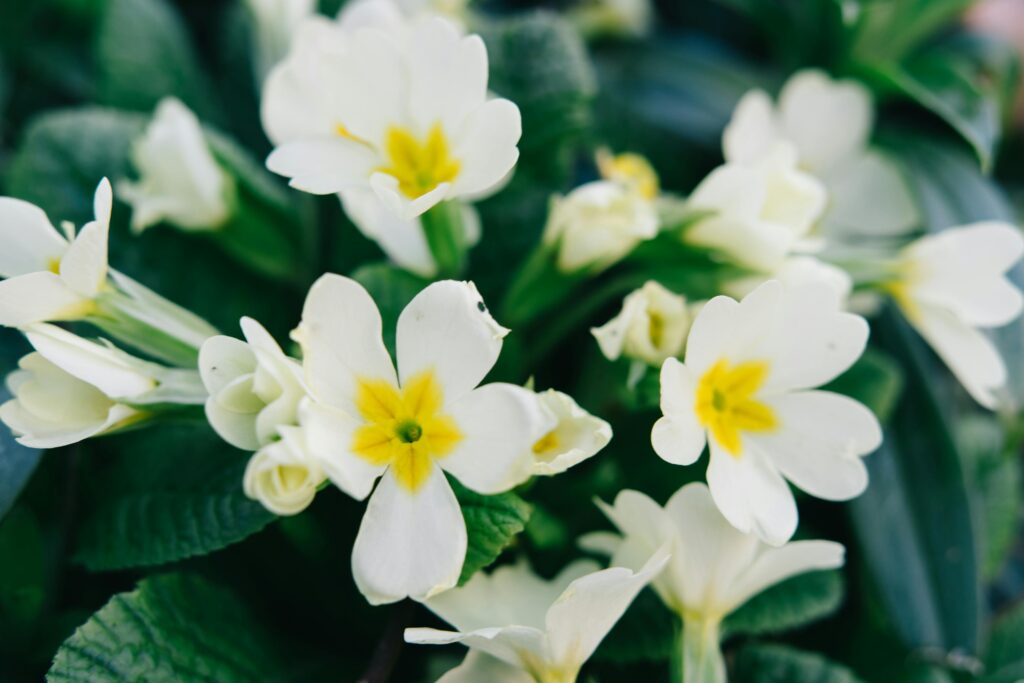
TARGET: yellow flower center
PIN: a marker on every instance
(405, 427)
(547, 445)
(656, 329)
(726, 404)
(419, 166)
(631, 170)
(54, 266)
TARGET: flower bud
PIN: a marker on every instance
(652, 326)
(281, 476)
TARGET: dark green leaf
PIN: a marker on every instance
(758, 663)
(1004, 655)
(144, 53)
(875, 380)
(174, 627)
(914, 522)
(492, 523)
(646, 632)
(163, 495)
(22, 573)
(887, 31)
(791, 604)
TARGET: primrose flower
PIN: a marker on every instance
(254, 387)
(180, 181)
(651, 326)
(575, 436)
(714, 568)
(403, 112)
(747, 389)
(798, 271)
(412, 426)
(50, 277)
(759, 211)
(282, 476)
(71, 389)
(829, 123)
(597, 224)
(542, 631)
(951, 284)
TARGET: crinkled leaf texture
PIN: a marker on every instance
(492, 523)
(174, 627)
(760, 663)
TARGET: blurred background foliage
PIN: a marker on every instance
(935, 571)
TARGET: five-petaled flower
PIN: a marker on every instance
(412, 426)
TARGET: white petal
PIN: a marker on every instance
(752, 130)
(486, 148)
(868, 197)
(39, 296)
(712, 332)
(505, 643)
(409, 544)
(341, 341)
(446, 328)
(390, 194)
(827, 120)
(402, 240)
(585, 613)
(969, 354)
(46, 435)
(84, 266)
(678, 437)
(447, 74)
(819, 442)
(28, 241)
(323, 165)
(103, 367)
(579, 434)
(328, 433)
(499, 424)
(774, 565)
(483, 667)
(752, 494)
(222, 360)
(644, 526)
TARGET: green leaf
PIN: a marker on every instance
(645, 633)
(538, 61)
(798, 31)
(875, 380)
(886, 31)
(23, 571)
(174, 627)
(161, 495)
(995, 478)
(392, 289)
(144, 53)
(759, 663)
(492, 523)
(914, 522)
(1004, 655)
(791, 604)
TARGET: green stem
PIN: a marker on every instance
(442, 226)
(701, 652)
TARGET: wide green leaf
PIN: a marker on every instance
(174, 627)
(162, 495)
(759, 663)
(492, 524)
(875, 380)
(792, 604)
(1004, 655)
(144, 53)
(887, 31)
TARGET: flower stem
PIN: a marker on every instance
(700, 653)
(442, 226)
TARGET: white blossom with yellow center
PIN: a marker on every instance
(412, 426)
(521, 628)
(747, 388)
(829, 123)
(951, 286)
(759, 212)
(51, 277)
(401, 109)
(714, 569)
(651, 326)
(70, 389)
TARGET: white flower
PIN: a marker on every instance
(651, 326)
(747, 389)
(798, 271)
(714, 569)
(179, 181)
(254, 387)
(614, 17)
(597, 224)
(411, 426)
(71, 389)
(282, 476)
(760, 211)
(403, 112)
(48, 277)
(276, 23)
(546, 629)
(576, 435)
(951, 284)
(403, 240)
(829, 122)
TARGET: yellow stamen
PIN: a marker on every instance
(404, 427)
(726, 404)
(546, 445)
(418, 166)
(631, 170)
